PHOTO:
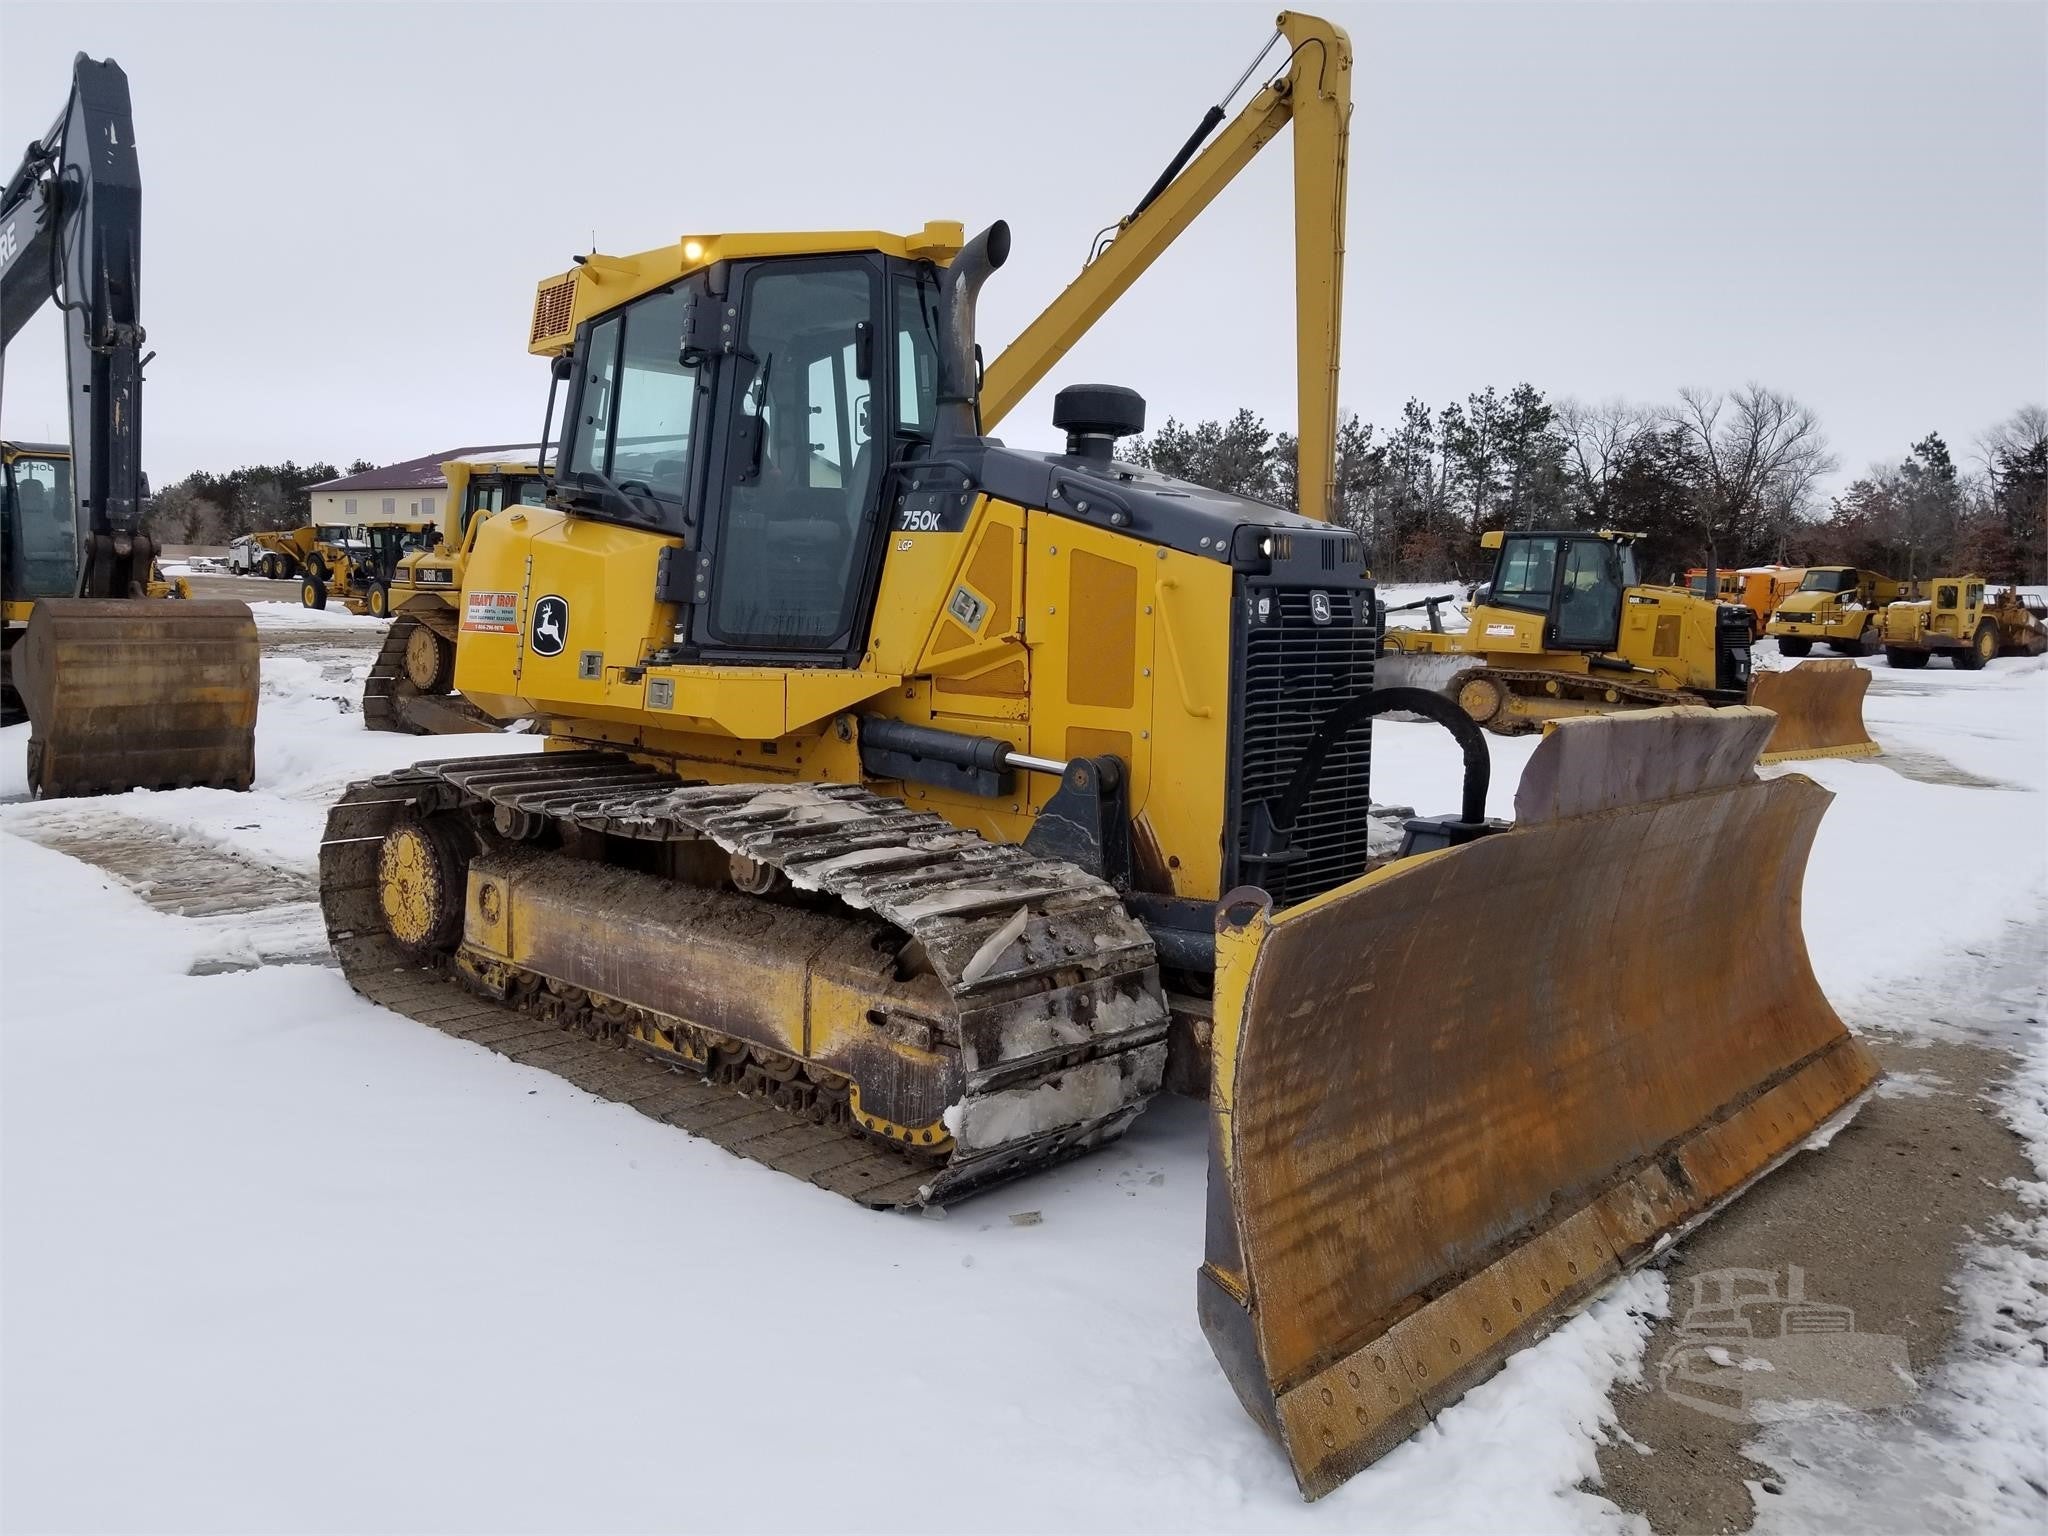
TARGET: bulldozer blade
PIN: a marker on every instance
(1819, 705)
(1456, 1097)
(138, 694)
(1433, 670)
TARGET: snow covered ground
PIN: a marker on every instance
(273, 1259)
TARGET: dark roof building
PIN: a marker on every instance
(421, 474)
(412, 490)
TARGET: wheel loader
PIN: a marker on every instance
(913, 801)
(122, 689)
(1955, 620)
(1568, 628)
(411, 686)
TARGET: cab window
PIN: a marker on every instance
(917, 354)
(801, 466)
(42, 529)
(1527, 573)
(1827, 581)
(635, 409)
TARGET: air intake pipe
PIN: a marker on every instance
(959, 382)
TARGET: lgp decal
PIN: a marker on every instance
(550, 626)
(495, 613)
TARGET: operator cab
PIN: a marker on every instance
(1575, 579)
(495, 492)
(758, 408)
(1828, 581)
(39, 529)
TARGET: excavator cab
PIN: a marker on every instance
(38, 531)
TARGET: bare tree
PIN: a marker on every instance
(1598, 441)
(2021, 433)
(1760, 453)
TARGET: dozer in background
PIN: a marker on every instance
(122, 690)
(1955, 620)
(1838, 606)
(411, 686)
(886, 777)
(1568, 628)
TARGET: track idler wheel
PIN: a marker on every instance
(422, 874)
(429, 660)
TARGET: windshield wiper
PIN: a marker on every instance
(618, 490)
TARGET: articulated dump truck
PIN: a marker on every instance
(916, 807)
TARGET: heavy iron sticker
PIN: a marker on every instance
(495, 613)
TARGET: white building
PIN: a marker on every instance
(413, 490)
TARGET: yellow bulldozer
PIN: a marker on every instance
(411, 686)
(1955, 620)
(121, 689)
(916, 806)
(1568, 628)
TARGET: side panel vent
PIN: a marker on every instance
(554, 311)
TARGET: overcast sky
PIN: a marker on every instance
(347, 206)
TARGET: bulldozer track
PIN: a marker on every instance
(392, 703)
(1571, 686)
(1014, 938)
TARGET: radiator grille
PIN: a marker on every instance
(1295, 672)
(553, 307)
(1731, 649)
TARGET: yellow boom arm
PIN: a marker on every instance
(1314, 93)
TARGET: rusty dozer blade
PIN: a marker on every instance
(1455, 1097)
(1819, 705)
(135, 693)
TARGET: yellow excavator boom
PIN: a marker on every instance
(1312, 91)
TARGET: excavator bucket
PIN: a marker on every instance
(1819, 705)
(137, 694)
(1454, 1098)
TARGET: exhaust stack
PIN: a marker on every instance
(959, 379)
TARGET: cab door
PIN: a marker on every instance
(1587, 615)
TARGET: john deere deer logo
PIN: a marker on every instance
(550, 626)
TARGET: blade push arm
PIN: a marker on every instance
(1314, 93)
(71, 233)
